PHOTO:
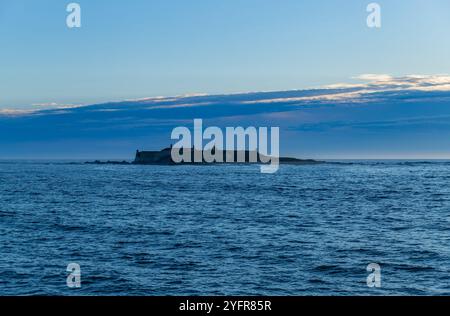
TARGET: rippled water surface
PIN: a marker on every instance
(210, 230)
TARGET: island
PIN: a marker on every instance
(164, 157)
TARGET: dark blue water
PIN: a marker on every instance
(209, 230)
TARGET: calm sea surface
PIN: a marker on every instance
(211, 230)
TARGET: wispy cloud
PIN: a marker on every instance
(368, 88)
(372, 83)
(409, 82)
(166, 98)
(180, 105)
(55, 105)
(336, 97)
(15, 112)
(375, 78)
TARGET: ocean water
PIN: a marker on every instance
(225, 230)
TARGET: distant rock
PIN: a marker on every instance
(109, 162)
(164, 157)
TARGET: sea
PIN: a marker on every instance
(225, 229)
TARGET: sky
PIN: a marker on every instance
(383, 118)
(137, 69)
(143, 48)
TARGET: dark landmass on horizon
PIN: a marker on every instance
(164, 157)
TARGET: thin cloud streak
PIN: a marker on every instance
(365, 91)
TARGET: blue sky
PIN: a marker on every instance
(337, 89)
(140, 48)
